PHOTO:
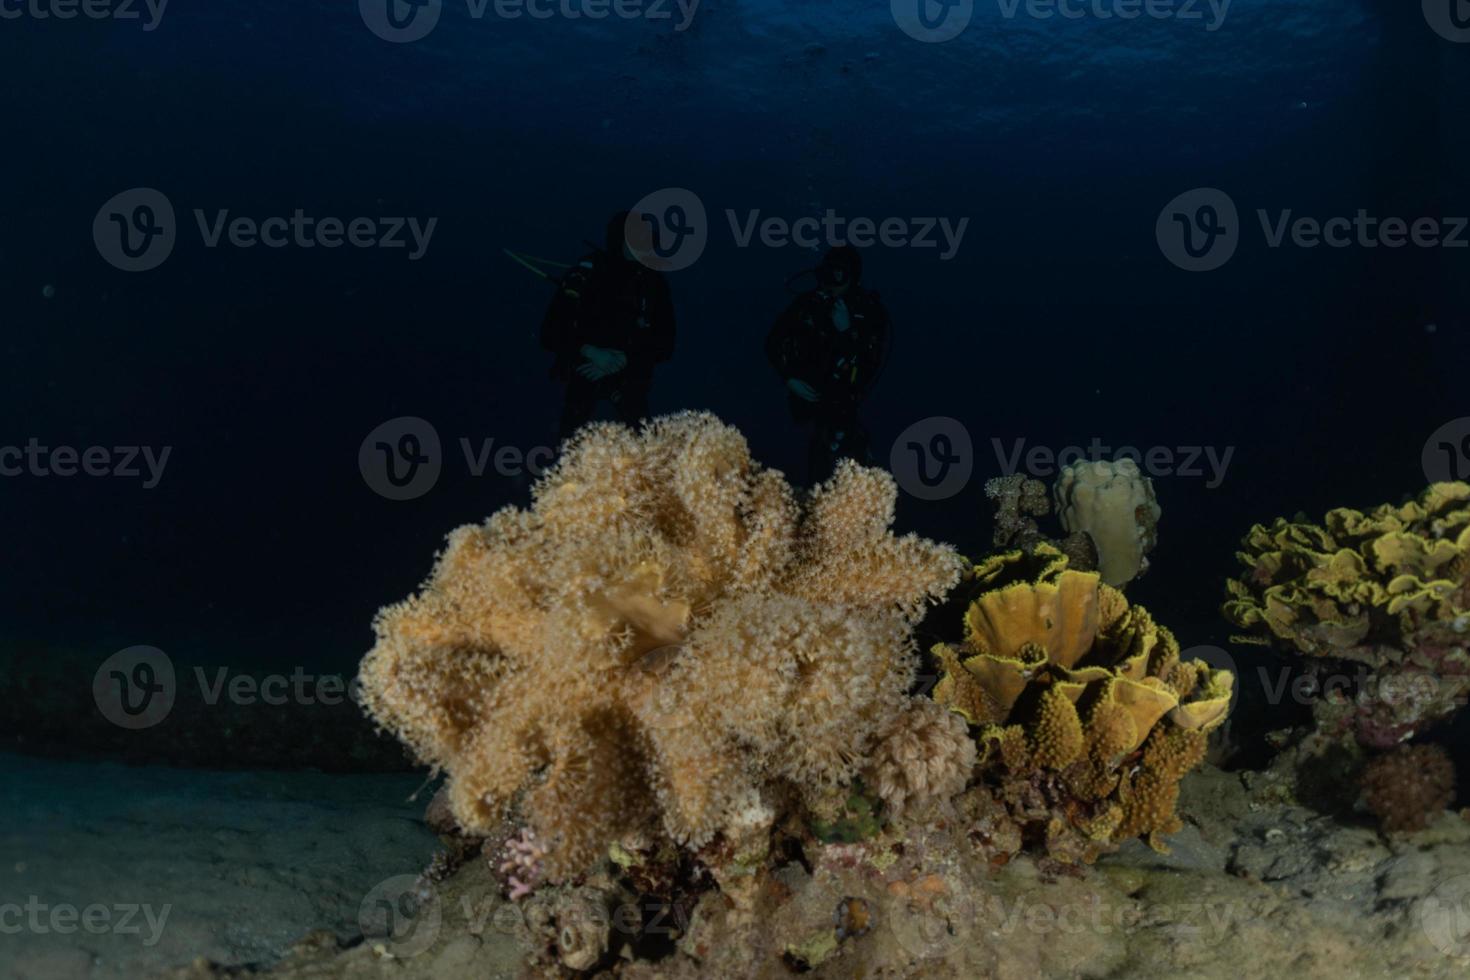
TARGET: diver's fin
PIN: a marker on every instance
(534, 264)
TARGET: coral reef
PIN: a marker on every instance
(1381, 603)
(1087, 716)
(668, 643)
(925, 756)
(1114, 504)
(1253, 890)
(1019, 501)
(1409, 787)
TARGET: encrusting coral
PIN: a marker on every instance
(1113, 502)
(668, 640)
(1087, 716)
(1409, 786)
(1388, 589)
(1019, 501)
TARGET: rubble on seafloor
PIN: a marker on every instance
(1254, 885)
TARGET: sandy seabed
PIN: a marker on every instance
(109, 870)
(234, 873)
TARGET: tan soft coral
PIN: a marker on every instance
(663, 635)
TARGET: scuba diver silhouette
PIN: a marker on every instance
(829, 346)
(610, 322)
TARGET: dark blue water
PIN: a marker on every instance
(1057, 320)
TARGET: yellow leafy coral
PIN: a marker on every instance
(1388, 589)
(1087, 716)
(664, 635)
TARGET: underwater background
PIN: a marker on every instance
(1056, 320)
(1319, 376)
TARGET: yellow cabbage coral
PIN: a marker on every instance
(1388, 589)
(663, 635)
(1088, 718)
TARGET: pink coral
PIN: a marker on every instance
(522, 864)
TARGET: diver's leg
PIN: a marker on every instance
(822, 450)
(852, 439)
(631, 401)
(577, 408)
